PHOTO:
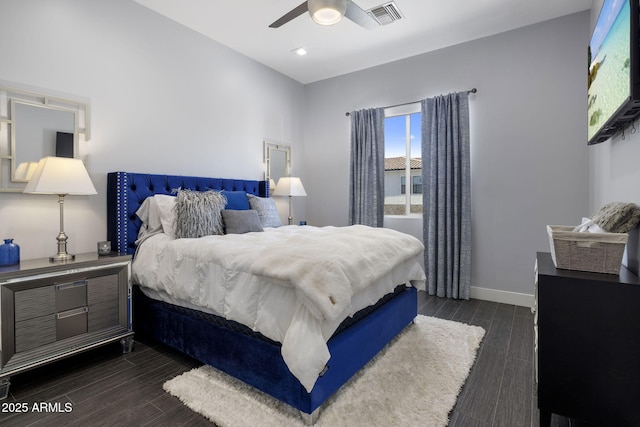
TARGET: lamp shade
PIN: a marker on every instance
(62, 176)
(327, 12)
(25, 170)
(289, 186)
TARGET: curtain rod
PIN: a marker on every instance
(474, 90)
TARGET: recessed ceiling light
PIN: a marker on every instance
(300, 51)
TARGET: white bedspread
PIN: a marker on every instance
(293, 284)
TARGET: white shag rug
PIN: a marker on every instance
(415, 380)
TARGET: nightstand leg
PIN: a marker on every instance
(127, 344)
(4, 388)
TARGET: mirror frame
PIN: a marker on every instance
(269, 147)
(9, 97)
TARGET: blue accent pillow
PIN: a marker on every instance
(236, 200)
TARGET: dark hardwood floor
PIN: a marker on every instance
(103, 387)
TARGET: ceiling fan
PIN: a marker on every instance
(329, 12)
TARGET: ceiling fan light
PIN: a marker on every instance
(327, 12)
(327, 17)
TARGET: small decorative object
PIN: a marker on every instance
(9, 253)
(104, 248)
(303, 222)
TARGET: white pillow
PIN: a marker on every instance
(165, 208)
(157, 215)
(150, 217)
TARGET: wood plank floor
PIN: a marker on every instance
(103, 387)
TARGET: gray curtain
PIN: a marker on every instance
(366, 184)
(447, 194)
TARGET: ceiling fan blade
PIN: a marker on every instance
(359, 16)
(290, 15)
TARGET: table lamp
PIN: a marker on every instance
(289, 186)
(62, 176)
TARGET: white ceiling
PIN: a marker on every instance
(427, 25)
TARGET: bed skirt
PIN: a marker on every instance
(256, 360)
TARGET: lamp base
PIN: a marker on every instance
(64, 257)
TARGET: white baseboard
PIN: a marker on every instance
(505, 297)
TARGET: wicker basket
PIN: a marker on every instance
(596, 252)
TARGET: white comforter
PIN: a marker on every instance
(294, 285)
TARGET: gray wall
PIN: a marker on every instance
(164, 99)
(528, 140)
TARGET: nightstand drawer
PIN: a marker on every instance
(71, 323)
(103, 315)
(71, 295)
(35, 332)
(103, 288)
(34, 302)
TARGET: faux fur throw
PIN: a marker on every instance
(617, 217)
(328, 265)
(198, 213)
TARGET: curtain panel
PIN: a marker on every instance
(366, 184)
(447, 194)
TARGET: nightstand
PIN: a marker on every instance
(49, 311)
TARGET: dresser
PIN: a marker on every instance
(587, 329)
(53, 310)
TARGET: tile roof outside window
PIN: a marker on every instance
(398, 163)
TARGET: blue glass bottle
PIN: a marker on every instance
(9, 253)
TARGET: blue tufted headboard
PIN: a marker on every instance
(126, 191)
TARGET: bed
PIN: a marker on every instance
(265, 357)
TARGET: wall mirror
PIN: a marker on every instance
(35, 125)
(277, 159)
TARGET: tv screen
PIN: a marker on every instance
(613, 72)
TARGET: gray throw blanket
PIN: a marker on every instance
(617, 217)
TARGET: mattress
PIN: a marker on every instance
(245, 283)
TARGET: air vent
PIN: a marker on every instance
(385, 13)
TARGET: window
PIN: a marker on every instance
(403, 161)
(416, 184)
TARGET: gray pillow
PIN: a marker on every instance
(198, 213)
(267, 211)
(240, 221)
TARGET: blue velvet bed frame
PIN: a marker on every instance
(249, 358)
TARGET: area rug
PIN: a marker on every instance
(415, 380)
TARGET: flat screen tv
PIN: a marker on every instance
(614, 71)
